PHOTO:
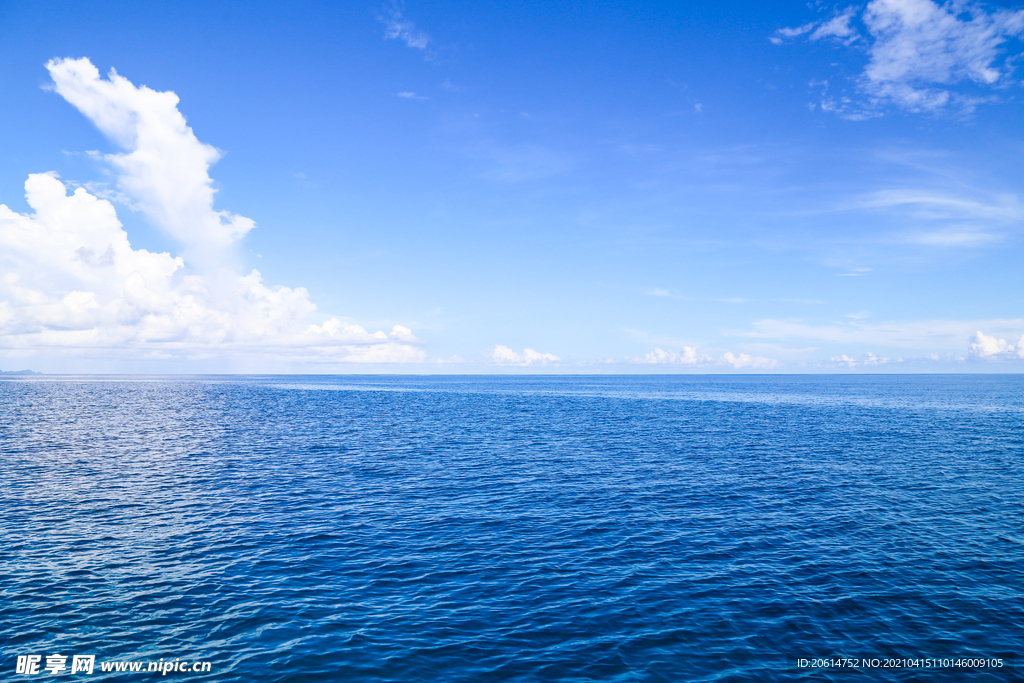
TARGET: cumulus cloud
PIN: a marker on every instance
(917, 51)
(985, 347)
(742, 360)
(503, 355)
(688, 356)
(165, 170)
(72, 281)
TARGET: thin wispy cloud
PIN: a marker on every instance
(523, 162)
(920, 54)
(409, 95)
(927, 207)
(967, 238)
(934, 205)
(397, 27)
(942, 218)
(303, 180)
(838, 28)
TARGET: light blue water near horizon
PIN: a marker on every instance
(668, 528)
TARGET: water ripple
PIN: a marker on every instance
(512, 529)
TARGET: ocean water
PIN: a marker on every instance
(697, 528)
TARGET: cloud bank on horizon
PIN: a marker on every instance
(72, 282)
(688, 356)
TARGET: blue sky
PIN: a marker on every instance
(529, 187)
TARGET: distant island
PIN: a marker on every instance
(19, 372)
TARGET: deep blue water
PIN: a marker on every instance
(512, 529)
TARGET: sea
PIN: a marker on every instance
(375, 529)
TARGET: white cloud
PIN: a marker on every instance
(72, 281)
(917, 51)
(409, 95)
(984, 347)
(165, 170)
(952, 220)
(869, 359)
(931, 205)
(688, 356)
(838, 27)
(917, 41)
(659, 292)
(743, 360)
(503, 355)
(793, 32)
(396, 27)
